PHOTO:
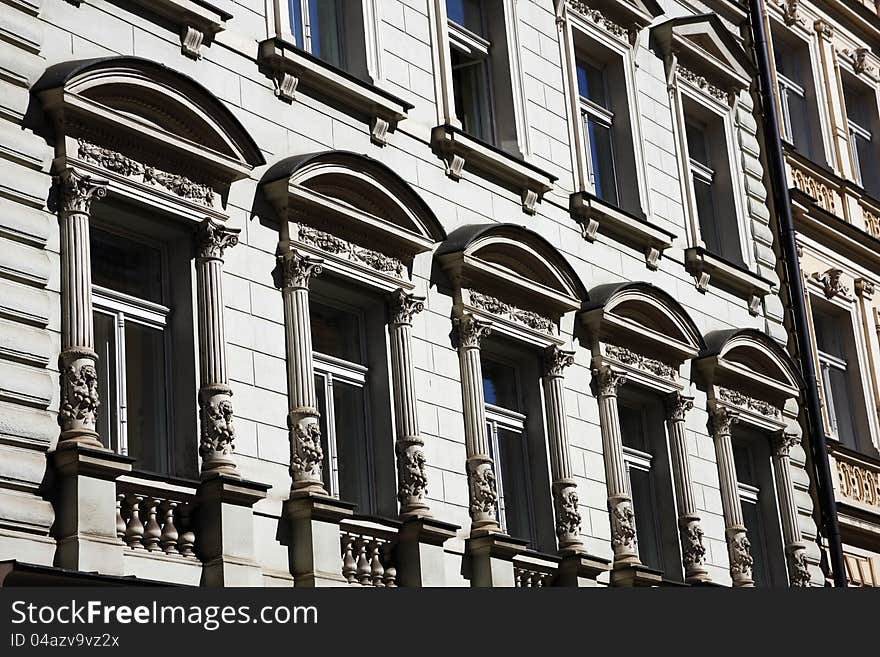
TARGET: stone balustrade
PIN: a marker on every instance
(532, 572)
(858, 479)
(368, 557)
(157, 520)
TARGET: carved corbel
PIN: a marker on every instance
(191, 41)
(285, 85)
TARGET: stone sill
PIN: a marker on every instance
(293, 69)
(705, 266)
(595, 215)
(459, 149)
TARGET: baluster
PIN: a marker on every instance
(120, 521)
(187, 537)
(518, 578)
(363, 564)
(169, 537)
(377, 570)
(152, 531)
(390, 579)
(134, 532)
(349, 565)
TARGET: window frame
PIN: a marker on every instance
(604, 116)
(477, 48)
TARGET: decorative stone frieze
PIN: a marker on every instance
(737, 398)
(350, 251)
(857, 482)
(858, 57)
(508, 311)
(824, 195)
(832, 282)
(791, 13)
(600, 19)
(638, 361)
(702, 83)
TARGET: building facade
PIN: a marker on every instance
(827, 89)
(410, 292)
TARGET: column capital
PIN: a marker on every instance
(213, 238)
(722, 419)
(556, 360)
(607, 381)
(677, 406)
(783, 441)
(404, 306)
(298, 268)
(78, 189)
(471, 331)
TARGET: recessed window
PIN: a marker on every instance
(332, 30)
(133, 342)
(797, 96)
(645, 456)
(862, 120)
(598, 120)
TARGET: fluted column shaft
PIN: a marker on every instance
(306, 452)
(483, 493)
(217, 440)
(620, 510)
(693, 552)
(738, 546)
(77, 363)
(565, 497)
(795, 550)
(412, 480)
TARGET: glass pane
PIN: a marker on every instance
(709, 228)
(470, 84)
(591, 83)
(842, 404)
(866, 163)
(754, 526)
(602, 155)
(829, 334)
(499, 385)
(124, 265)
(742, 460)
(145, 383)
(351, 443)
(467, 13)
(326, 31)
(632, 428)
(335, 332)
(296, 21)
(105, 345)
(326, 470)
(696, 143)
(515, 479)
(799, 127)
(645, 509)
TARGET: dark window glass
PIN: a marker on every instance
(755, 533)
(696, 143)
(602, 156)
(470, 87)
(126, 266)
(336, 333)
(105, 346)
(145, 382)
(350, 416)
(467, 13)
(632, 428)
(644, 501)
(499, 385)
(514, 472)
(591, 83)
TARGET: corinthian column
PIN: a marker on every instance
(565, 497)
(738, 546)
(412, 482)
(795, 550)
(623, 528)
(79, 376)
(306, 453)
(693, 552)
(217, 441)
(480, 469)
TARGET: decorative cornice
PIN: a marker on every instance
(832, 283)
(601, 20)
(214, 238)
(737, 398)
(350, 251)
(556, 360)
(638, 361)
(404, 306)
(508, 311)
(126, 166)
(702, 83)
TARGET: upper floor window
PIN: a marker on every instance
(797, 96)
(598, 121)
(332, 30)
(650, 485)
(862, 122)
(506, 428)
(711, 183)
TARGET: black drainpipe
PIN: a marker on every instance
(788, 244)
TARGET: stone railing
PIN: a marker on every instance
(814, 183)
(156, 517)
(532, 572)
(858, 479)
(368, 557)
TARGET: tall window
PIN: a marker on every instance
(471, 74)
(645, 456)
(133, 342)
(332, 30)
(792, 73)
(861, 117)
(506, 428)
(341, 382)
(711, 184)
(758, 500)
(835, 350)
(598, 120)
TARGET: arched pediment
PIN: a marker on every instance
(750, 362)
(514, 264)
(148, 112)
(645, 317)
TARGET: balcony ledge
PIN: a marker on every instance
(705, 266)
(294, 69)
(594, 215)
(199, 21)
(459, 149)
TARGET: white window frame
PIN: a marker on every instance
(515, 422)
(788, 86)
(635, 459)
(476, 47)
(603, 116)
(857, 132)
